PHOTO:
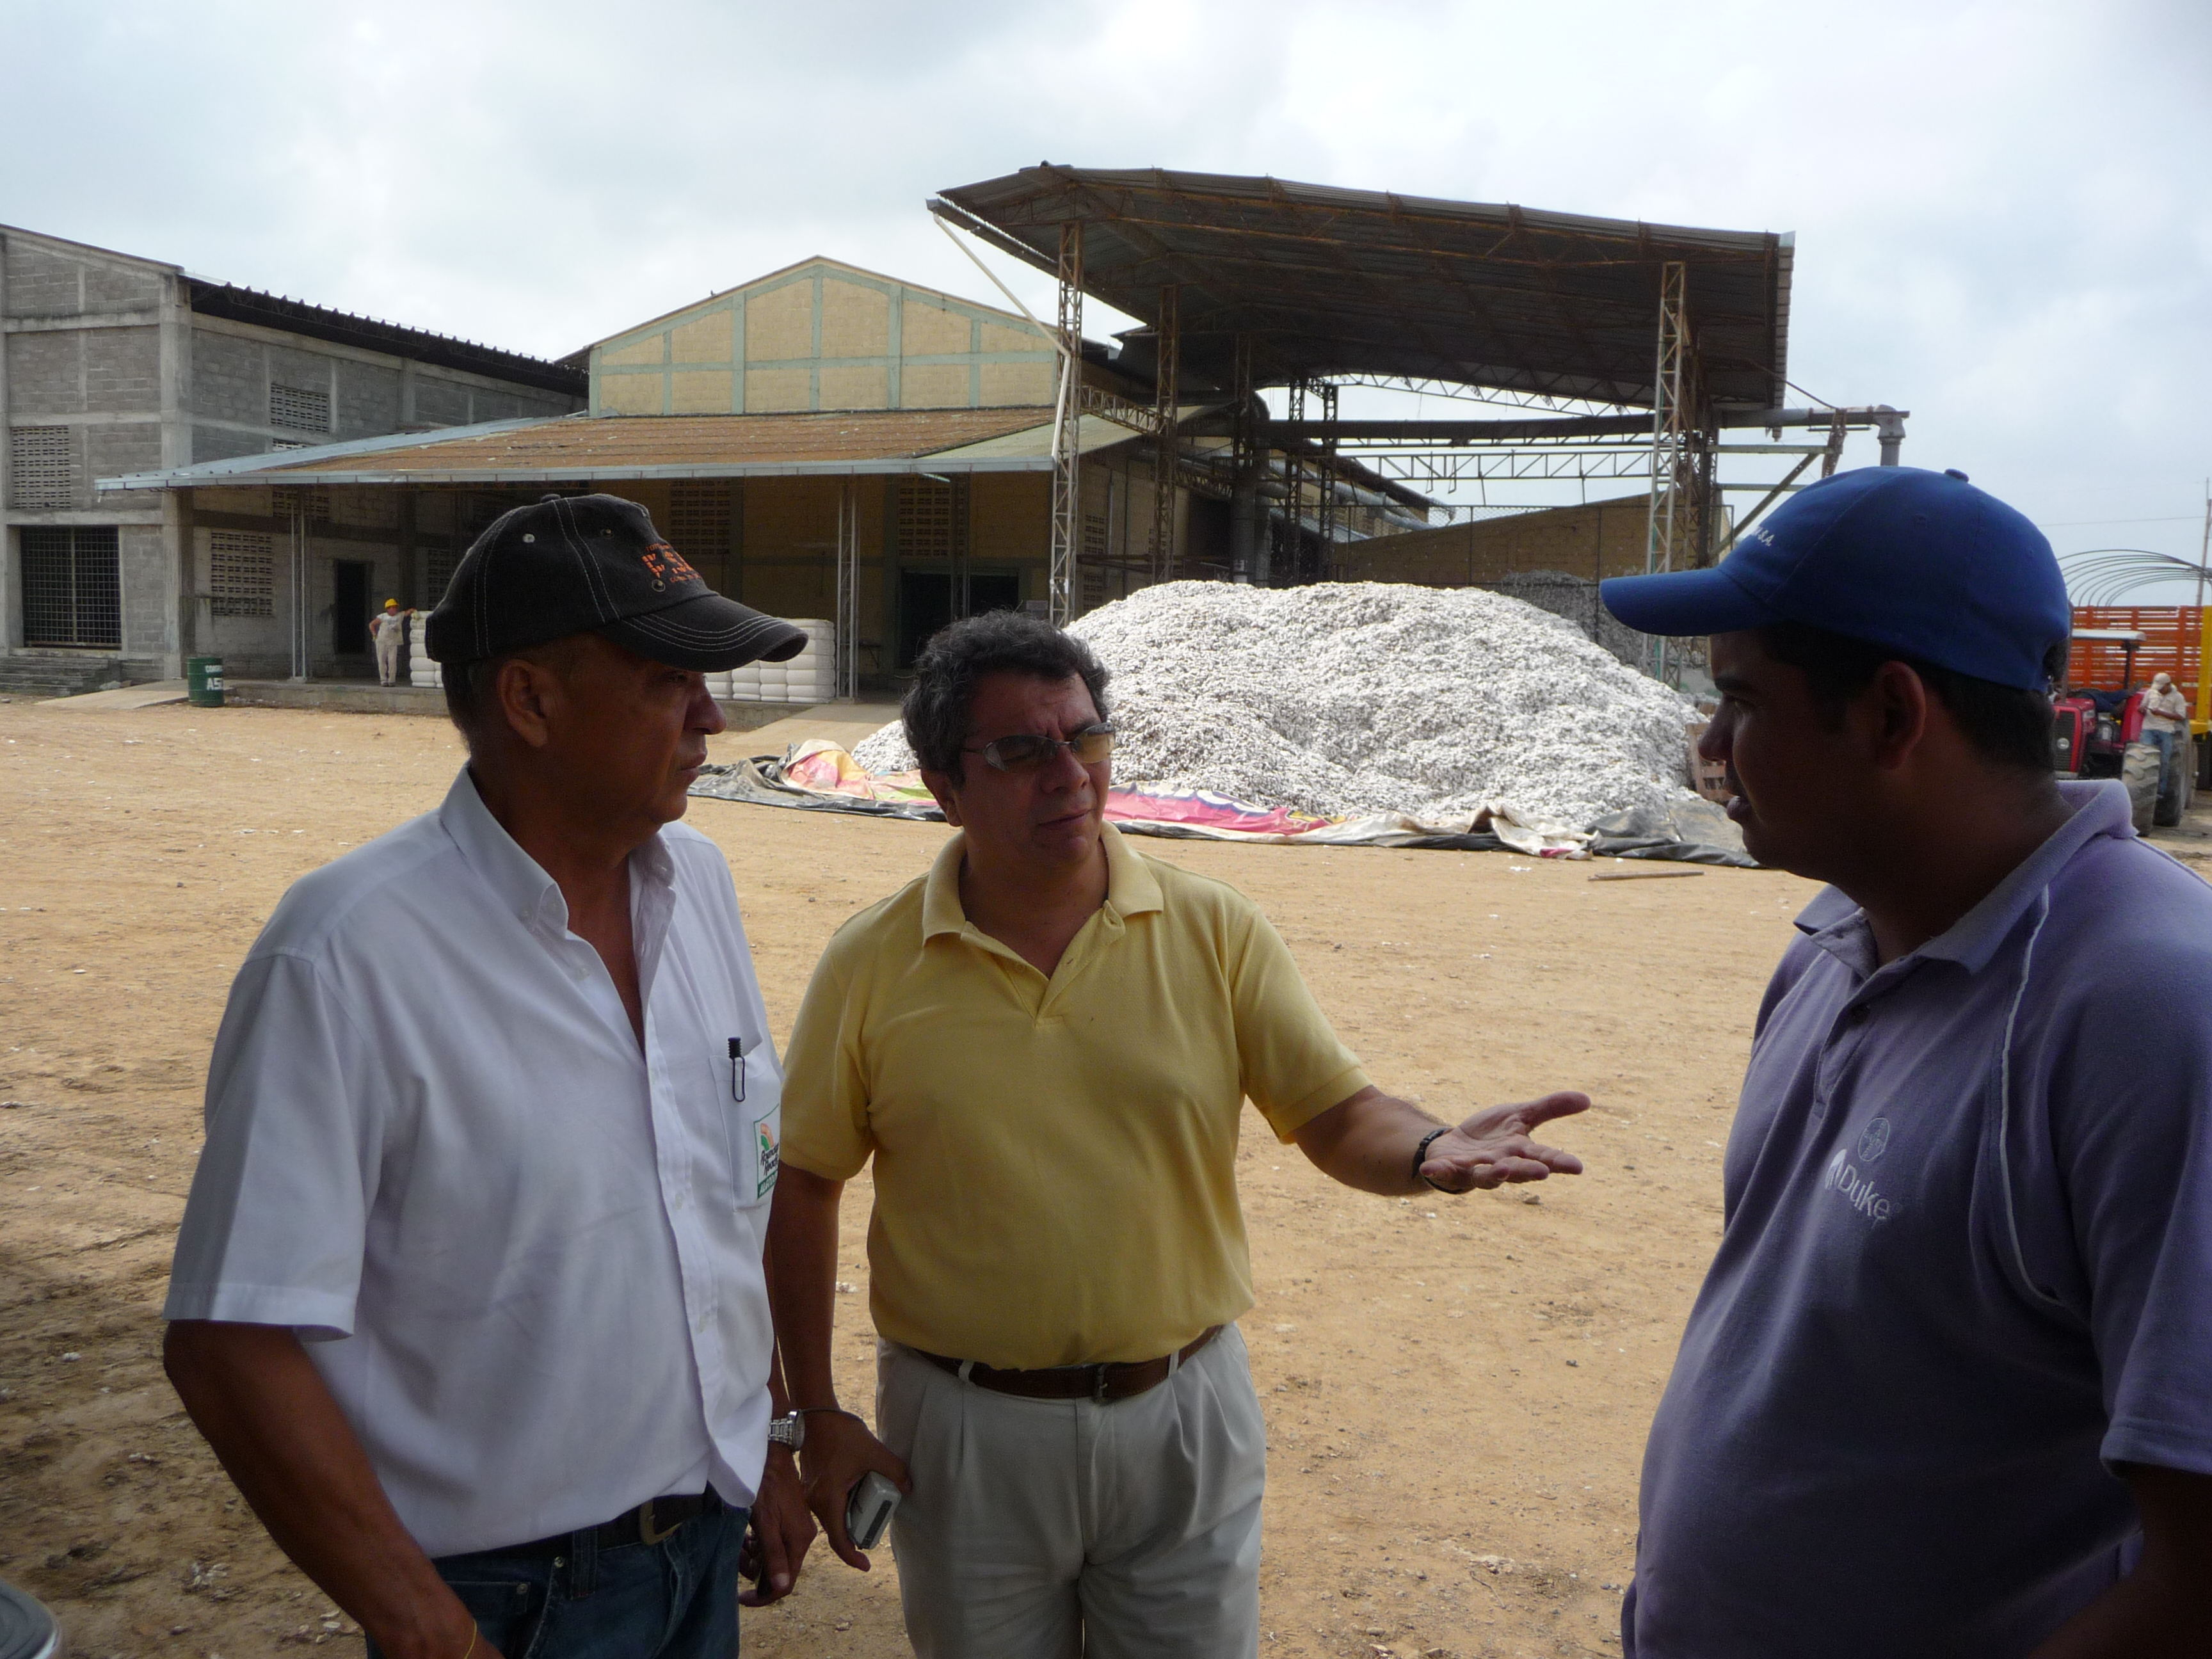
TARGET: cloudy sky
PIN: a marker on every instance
(2003, 211)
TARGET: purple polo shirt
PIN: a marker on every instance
(1966, 1267)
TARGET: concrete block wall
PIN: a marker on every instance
(106, 345)
(86, 345)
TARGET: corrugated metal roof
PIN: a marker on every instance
(1348, 282)
(576, 447)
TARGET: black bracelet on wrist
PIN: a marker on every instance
(1421, 1154)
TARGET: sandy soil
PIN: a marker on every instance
(1457, 1390)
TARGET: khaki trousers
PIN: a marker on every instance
(1062, 1530)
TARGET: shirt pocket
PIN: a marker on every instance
(752, 1120)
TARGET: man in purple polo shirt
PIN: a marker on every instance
(1947, 1387)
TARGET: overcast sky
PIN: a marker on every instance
(2003, 212)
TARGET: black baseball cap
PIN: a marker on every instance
(578, 564)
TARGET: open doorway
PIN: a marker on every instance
(926, 603)
(349, 606)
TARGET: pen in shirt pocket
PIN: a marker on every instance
(740, 1047)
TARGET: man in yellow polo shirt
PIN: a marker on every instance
(1045, 1044)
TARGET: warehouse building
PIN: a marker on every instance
(821, 441)
(116, 364)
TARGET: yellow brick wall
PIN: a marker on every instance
(856, 321)
(779, 323)
(703, 340)
(1604, 538)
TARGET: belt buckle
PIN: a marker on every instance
(647, 1532)
(1098, 1385)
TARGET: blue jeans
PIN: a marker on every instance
(2163, 742)
(674, 1600)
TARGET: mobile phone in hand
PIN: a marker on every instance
(868, 1510)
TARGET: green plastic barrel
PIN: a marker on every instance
(203, 681)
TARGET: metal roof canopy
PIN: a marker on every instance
(1330, 282)
(583, 449)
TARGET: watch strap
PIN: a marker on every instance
(1421, 1153)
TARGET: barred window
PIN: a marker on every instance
(311, 501)
(41, 467)
(699, 519)
(439, 562)
(1094, 535)
(242, 573)
(925, 518)
(302, 408)
(72, 586)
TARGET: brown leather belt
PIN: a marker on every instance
(1102, 1384)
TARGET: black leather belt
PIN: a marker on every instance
(648, 1523)
(1103, 1384)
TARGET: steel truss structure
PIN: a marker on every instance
(1252, 284)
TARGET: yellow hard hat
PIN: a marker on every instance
(391, 605)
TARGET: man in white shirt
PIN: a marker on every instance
(389, 629)
(468, 1296)
(2166, 724)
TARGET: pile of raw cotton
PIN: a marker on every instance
(1349, 698)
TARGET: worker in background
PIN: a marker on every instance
(468, 1296)
(389, 630)
(1943, 1389)
(2166, 724)
(1045, 1044)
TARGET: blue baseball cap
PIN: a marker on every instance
(1922, 563)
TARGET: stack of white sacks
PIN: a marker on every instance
(810, 676)
(421, 671)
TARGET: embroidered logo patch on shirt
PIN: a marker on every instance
(765, 1143)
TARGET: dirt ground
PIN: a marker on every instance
(1457, 1389)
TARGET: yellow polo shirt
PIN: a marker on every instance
(1055, 1159)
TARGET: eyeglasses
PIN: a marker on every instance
(1026, 751)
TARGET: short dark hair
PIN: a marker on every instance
(935, 712)
(2007, 725)
(469, 685)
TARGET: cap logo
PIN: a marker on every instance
(667, 565)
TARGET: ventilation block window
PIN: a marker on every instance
(72, 587)
(699, 519)
(242, 573)
(299, 408)
(925, 518)
(40, 470)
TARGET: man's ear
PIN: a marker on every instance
(528, 696)
(1899, 709)
(941, 786)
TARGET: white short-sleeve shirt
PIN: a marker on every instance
(527, 1254)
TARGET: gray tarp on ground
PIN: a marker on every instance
(1694, 832)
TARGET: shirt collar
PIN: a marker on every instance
(1131, 889)
(518, 881)
(2099, 809)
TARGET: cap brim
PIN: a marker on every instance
(709, 633)
(1685, 602)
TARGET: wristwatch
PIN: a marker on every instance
(789, 1430)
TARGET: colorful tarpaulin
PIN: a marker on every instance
(824, 777)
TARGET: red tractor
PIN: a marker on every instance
(2099, 734)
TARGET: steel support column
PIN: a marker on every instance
(1325, 519)
(1679, 527)
(846, 668)
(1169, 339)
(1068, 425)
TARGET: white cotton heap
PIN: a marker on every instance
(1348, 698)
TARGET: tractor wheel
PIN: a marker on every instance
(2139, 773)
